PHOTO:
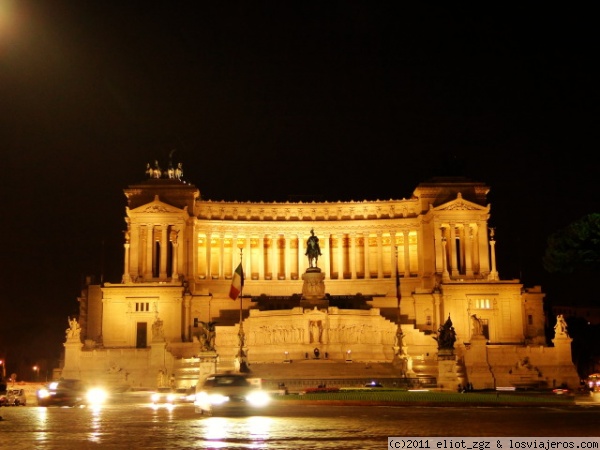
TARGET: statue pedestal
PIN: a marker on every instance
(449, 372)
(313, 289)
(478, 372)
(207, 365)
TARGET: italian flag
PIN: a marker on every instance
(236, 283)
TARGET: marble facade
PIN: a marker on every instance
(413, 262)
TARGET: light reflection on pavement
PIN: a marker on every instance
(125, 426)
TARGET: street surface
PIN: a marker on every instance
(290, 427)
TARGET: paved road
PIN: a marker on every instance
(124, 426)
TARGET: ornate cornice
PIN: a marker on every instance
(364, 210)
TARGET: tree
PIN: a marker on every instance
(575, 248)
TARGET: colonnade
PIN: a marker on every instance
(152, 252)
(281, 256)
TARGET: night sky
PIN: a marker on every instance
(266, 100)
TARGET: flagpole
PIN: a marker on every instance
(241, 354)
(399, 344)
(398, 294)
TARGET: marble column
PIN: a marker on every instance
(367, 251)
(468, 250)
(164, 244)
(340, 256)
(353, 256)
(208, 256)
(379, 256)
(407, 253)
(149, 251)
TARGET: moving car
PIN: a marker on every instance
(70, 392)
(185, 395)
(164, 396)
(229, 393)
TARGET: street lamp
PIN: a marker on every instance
(36, 370)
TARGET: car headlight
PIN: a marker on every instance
(258, 398)
(96, 396)
(171, 398)
(43, 393)
(155, 397)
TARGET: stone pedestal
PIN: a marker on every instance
(565, 371)
(72, 365)
(478, 372)
(313, 289)
(448, 370)
(207, 365)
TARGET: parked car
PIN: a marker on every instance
(3, 398)
(225, 393)
(16, 397)
(70, 392)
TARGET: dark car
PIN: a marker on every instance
(229, 393)
(66, 392)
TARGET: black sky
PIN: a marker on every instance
(262, 100)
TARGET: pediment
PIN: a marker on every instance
(460, 204)
(156, 207)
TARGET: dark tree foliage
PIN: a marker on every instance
(575, 248)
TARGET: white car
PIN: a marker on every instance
(16, 397)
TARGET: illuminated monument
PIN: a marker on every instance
(389, 275)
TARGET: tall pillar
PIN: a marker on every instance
(126, 275)
(353, 256)
(340, 256)
(221, 256)
(274, 256)
(494, 272)
(164, 243)
(367, 250)
(301, 256)
(135, 252)
(235, 254)
(175, 273)
(439, 244)
(379, 256)
(468, 250)
(452, 250)
(261, 257)
(191, 266)
(445, 273)
(149, 251)
(208, 255)
(287, 257)
(327, 256)
(407, 253)
(484, 259)
(248, 251)
(393, 255)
